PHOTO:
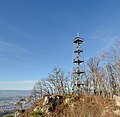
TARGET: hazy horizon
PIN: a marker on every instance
(12, 93)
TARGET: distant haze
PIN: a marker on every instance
(6, 93)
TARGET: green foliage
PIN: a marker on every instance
(20, 102)
(57, 101)
(9, 115)
(22, 99)
(30, 98)
(70, 96)
(37, 114)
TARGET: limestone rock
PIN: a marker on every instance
(117, 112)
(46, 100)
(117, 100)
(16, 114)
(67, 100)
(37, 108)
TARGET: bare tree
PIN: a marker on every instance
(34, 94)
(58, 80)
(93, 64)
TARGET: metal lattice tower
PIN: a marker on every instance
(77, 72)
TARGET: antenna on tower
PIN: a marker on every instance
(78, 33)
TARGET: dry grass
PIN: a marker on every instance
(81, 106)
(87, 106)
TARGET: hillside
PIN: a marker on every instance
(72, 106)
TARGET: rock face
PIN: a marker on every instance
(46, 100)
(49, 105)
(117, 99)
(53, 101)
(60, 99)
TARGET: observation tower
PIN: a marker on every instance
(78, 61)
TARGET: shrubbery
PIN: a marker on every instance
(37, 114)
